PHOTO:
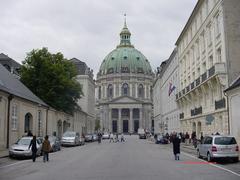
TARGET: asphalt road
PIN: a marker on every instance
(133, 160)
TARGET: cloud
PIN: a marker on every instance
(89, 29)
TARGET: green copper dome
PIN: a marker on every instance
(125, 58)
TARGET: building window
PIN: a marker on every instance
(217, 25)
(14, 117)
(209, 38)
(39, 122)
(210, 61)
(110, 71)
(110, 91)
(140, 70)
(99, 92)
(125, 70)
(125, 89)
(140, 91)
(219, 55)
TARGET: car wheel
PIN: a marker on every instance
(199, 155)
(209, 158)
(235, 159)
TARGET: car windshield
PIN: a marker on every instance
(69, 134)
(24, 141)
(225, 140)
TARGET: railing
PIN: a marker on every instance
(183, 91)
(204, 76)
(198, 81)
(196, 111)
(193, 85)
(181, 116)
(211, 71)
(176, 96)
(188, 88)
(220, 104)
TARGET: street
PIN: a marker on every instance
(132, 160)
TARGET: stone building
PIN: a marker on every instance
(87, 101)
(208, 53)
(165, 87)
(123, 89)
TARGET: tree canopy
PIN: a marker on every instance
(52, 78)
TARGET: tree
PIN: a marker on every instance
(52, 78)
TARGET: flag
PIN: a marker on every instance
(171, 89)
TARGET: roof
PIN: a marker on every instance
(11, 85)
(5, 58)
(234, 85)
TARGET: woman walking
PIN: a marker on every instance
(176, 146)
(33, 146)
(46, 147)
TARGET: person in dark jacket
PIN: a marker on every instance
(176, 146)
(46, 148)
(33, 146)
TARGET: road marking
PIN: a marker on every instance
(217, 166)
(20, 162)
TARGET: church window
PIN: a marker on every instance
(125, 89)
(140, 91)
(110, 90)
(99, 92)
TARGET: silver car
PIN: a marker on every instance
(71, 138)
(20, 148)
(217, 146)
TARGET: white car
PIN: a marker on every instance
(70, 138)
(106, 136)
(20, 148)
(216, 147)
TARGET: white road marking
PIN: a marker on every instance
(186, 154)
(20, 162)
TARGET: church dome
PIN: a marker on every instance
(125, 58)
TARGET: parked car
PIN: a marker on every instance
(20, 148)
(95, 137)
(160, 139)
(106, 135)
(216, 147)
(82, 140)
(89, 138)
(70, 138)
(55, 143)
(142, 133)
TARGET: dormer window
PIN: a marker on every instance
(138, 58)
(125, 70)
(112, 58)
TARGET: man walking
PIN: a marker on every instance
(46, 147)
(176, 146)
(33, 146)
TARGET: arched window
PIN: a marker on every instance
(110, 91)
(99, 92)
(125, 89)
(140, 91)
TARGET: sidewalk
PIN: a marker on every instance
(3, 153)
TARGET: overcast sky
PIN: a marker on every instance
(89, 29)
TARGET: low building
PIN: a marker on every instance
(165, 87)
(233, 93)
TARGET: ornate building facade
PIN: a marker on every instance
(123, 89)
(208, 54)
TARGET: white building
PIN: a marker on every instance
(124, 82)
(208, 53)
(165, 87)
(87, 101)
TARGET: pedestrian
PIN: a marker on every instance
(116, 138)
(33, 146)
(122, 138)
(46, 147)
(29, 133)
(176, 146)
(99, 138)
(111, 137)
(187, 138)
(201, 138)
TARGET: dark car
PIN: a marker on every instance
(160, 139)
(89, 138)
(55, 143)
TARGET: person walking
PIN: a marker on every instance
(122, 138)
(111, 137)
(99, 138)
(33, 146)
(187, 138)
(176, 146)
(46, 147)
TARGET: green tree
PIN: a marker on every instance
(52, 78)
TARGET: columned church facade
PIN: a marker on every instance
(123, 89)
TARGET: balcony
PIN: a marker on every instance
(192, 85)
(220, 104)
(198, 81)
(181, 115)
(196, 111)
(183, 91)
(188, 88)
(211, 71)
(204, 76)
